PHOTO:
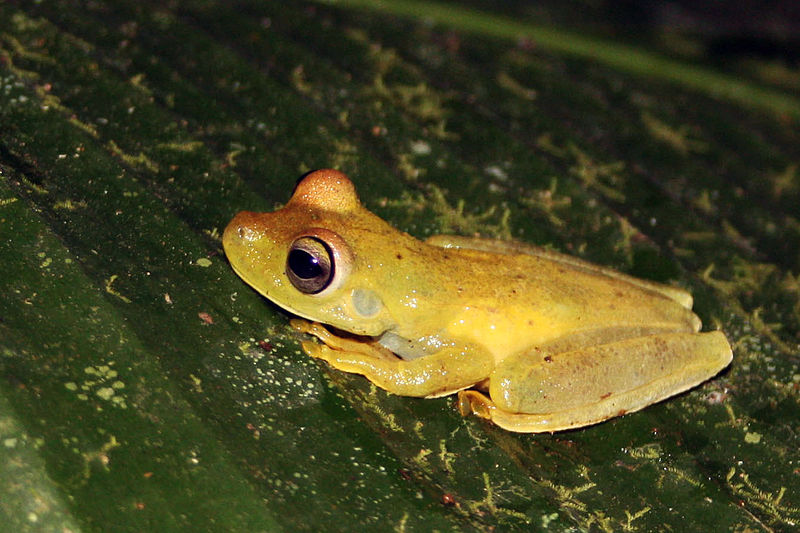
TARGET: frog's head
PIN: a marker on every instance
(324, 256)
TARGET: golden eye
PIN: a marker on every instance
(309, 265)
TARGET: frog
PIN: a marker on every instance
(528, 338)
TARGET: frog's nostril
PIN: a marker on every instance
(247, 233)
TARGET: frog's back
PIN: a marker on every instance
(571, 296)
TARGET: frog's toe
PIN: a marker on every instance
(301, 325)
(472, 402)
(317, 350)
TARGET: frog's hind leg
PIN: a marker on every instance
(538, 392)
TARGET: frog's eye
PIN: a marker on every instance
(310, 265)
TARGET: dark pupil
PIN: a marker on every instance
(304, 265)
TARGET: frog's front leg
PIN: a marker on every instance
(450, 369)
(536, 392)
(345, 344)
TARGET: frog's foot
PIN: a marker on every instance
(320, 351)
(472, 402)
(476, 403)
(337, 343)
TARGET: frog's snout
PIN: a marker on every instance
(242, 228)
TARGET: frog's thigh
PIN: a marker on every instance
(533, 392)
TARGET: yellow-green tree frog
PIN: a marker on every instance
(529, 338)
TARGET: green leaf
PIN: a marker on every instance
(144, 386)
